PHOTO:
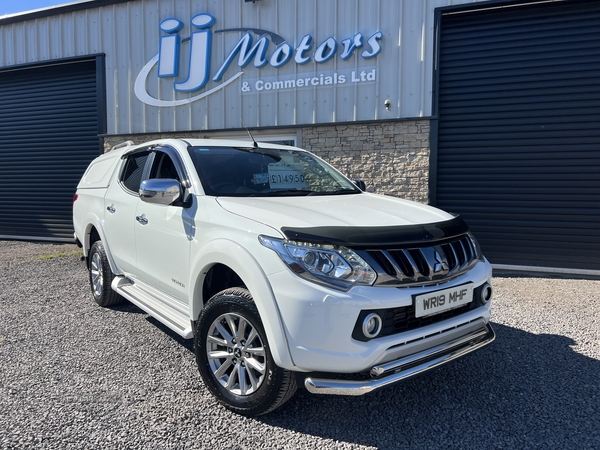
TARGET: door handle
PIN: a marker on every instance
(141, 219)
(111, 209)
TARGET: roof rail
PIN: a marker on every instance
(122, 144)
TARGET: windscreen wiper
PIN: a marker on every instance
(344, 191)
(338, 192)
(284, 192)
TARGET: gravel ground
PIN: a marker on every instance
(74, 375)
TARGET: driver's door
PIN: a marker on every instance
(163, 235)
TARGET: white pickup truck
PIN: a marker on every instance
(282, 270)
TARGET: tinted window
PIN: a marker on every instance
(164, 167)
(131, 177)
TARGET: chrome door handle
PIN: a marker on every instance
(141, 219)
(111, 209)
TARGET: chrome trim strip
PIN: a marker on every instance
(445, 353)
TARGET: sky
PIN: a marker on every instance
(16, 6)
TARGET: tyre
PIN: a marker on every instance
(101, 277)
(234, 357)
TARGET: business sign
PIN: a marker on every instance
(269, 49)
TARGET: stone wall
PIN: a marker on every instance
(392, 158)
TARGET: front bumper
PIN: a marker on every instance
(319, 322)
(385, 375)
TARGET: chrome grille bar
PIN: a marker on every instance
(456, 262)
(430, 265)
(413, 264)
(399, 272)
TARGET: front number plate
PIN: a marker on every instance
(439, 301)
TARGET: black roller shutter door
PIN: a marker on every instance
(518, 145)
(49, 126)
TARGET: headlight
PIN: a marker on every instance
(333, 265)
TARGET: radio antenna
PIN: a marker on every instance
(250, 134)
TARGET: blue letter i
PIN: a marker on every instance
(168, 55)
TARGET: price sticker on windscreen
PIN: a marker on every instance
(286, 176)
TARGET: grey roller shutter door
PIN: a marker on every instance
(518, 151)
(49, 127)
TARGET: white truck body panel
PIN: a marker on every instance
(170, 250)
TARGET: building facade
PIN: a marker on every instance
(488, 109)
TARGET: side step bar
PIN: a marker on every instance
(166, 310)
(401, 369)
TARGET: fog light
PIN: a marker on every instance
(371, 325)
(486, 293)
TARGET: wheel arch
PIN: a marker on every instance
(94, 232)
(235, 258)
(218, 278)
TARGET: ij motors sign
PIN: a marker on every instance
(269, 49)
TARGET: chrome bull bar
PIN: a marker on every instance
(385, 375)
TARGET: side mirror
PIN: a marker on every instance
(160, 191)
(360, 184)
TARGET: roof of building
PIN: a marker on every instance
(56, 10)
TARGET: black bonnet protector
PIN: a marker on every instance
(372, 237)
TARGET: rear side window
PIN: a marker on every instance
(131, 177)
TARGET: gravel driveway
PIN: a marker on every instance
(74, 375)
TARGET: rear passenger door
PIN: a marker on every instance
(120, 203)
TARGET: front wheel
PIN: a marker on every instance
(234, 357)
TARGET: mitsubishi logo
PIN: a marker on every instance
(441, 263)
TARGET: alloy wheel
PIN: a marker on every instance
(96, 273)
(236, 354)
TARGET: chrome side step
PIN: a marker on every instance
(165, 309)
(401, 369)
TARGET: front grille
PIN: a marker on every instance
(422, 265)
(401, 319)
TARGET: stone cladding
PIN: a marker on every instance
(392, 158)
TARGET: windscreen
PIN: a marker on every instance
(261, 172)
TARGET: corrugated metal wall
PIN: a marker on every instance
(128, 33)
(519, 131)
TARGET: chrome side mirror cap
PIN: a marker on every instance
(160, 191)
